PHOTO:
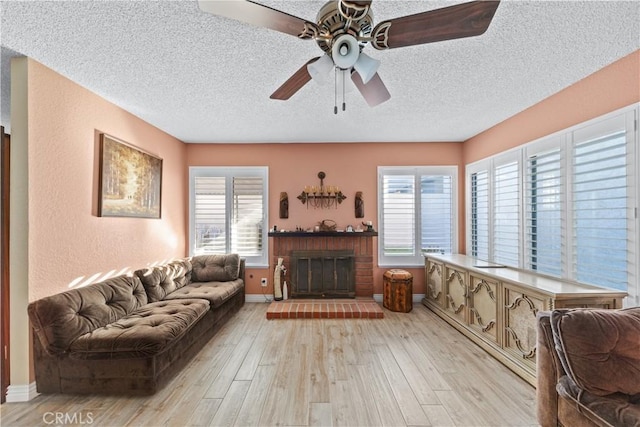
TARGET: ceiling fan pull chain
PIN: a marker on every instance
(335, 90)
(344, 96)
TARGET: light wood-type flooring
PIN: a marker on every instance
(406, 369)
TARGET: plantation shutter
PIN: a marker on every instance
(228, 212)
(544, 198)
(600, 206)
(436, 214)
(506, 230)
(480, 214)
(398, 215)
(210, 215)
(417, 213)
(246, 229)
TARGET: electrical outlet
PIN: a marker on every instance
(263, 282)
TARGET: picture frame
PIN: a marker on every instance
(130, 180)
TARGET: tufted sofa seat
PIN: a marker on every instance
(147, 331)
(131, 334)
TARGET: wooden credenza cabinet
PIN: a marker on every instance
(496, 307)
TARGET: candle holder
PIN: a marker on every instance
(321, 196)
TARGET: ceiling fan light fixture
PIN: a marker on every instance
(367, 67)
(345, 51)
(319, 70)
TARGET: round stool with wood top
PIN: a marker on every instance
(398, 290)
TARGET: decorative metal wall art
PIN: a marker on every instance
(322, 196)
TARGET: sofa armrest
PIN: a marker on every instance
(241, 270)
(548, 372)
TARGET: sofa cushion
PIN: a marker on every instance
(215, 268)
(215, 292)
(161, 280)
(59, 319)
(599, 349)
(145, 332)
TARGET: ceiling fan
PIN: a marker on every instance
(344, 27)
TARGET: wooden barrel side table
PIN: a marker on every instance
(398, 290)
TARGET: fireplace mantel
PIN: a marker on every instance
(322, 233)
(361, 243)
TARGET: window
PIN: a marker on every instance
(576, 196)
(417, 213)
(600, 206)
(506, 217)
(480, 214)
(544, 200)
(494, 209)
(228, 212)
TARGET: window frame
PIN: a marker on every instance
(229, 172)
(564, 140)
(417, 259)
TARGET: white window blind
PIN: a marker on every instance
(436, 213)
(599, 189)
(506, 228)
(417, 213)
(544, 232)
(210, 215)
(228, 212)
(398, 215)
(247, 211)
(480, 214)
(578, 207)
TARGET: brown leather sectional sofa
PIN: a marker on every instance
(132, 334)
(588, 367)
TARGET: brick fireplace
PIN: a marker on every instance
(358, 243)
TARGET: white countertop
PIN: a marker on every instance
(555, 287)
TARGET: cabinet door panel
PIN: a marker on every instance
(520, 322)
(456, 293)
(434, 272)
(483, 306)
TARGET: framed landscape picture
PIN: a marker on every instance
(130, 180)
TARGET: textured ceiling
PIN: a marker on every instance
(204, 78)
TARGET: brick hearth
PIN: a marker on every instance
(325, 309)
(360, 243)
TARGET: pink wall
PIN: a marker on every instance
(353, 167)
(615, 86)
(69, 245)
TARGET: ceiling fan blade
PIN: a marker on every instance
(294, 83)
(453, 22)
(374, 92)
(261, 16)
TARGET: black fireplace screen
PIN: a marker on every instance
(322, 274)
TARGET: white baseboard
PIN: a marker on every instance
(416, 297)
(21, 393)
(258, 298)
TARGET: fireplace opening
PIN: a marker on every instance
(322, 274)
